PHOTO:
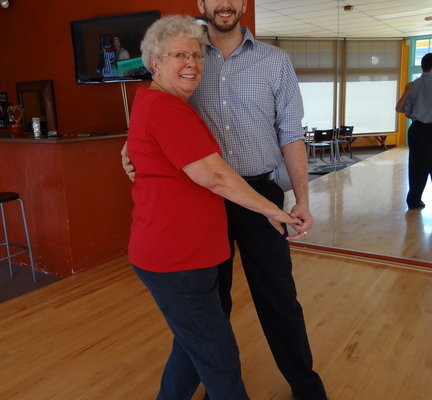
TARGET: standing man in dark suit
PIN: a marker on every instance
(418, 107)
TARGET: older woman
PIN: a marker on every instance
(179, 230)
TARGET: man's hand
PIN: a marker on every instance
(126, 162)
(278, 217)
(303, 214)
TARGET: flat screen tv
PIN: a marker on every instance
(107, 49)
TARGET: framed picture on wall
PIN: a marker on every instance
(4, 119)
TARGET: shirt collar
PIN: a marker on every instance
(248, 39)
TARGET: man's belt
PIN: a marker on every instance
(268, 176)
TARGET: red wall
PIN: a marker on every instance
(36, 45)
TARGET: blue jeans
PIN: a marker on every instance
(204, 347)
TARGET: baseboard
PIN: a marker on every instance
(388, 259)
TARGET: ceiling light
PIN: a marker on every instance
(4, 3)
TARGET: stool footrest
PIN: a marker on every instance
(21, 246)
(14, 255)
(25, 250)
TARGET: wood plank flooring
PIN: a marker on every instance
(363, 208)
(97, 335)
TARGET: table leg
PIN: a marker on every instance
(382, 140)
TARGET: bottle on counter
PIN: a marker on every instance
(36, 127)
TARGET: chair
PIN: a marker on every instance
(323, 139)
(308, 138)
(7, 197)
(344, 137)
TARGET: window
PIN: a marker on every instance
(419, 46)
(372, 76)
(314, 63)
(422, 47)
(348, 88)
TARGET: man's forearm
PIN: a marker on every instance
(401, 103)
(297, 166)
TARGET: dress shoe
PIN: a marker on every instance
(420, 204)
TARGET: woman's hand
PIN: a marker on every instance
(127, 164)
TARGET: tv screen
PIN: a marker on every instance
(107, 49)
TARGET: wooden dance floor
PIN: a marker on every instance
(362, 208)
(98, 335)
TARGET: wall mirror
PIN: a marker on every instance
(336, 68)
(37, 99)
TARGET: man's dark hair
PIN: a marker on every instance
(426, 62)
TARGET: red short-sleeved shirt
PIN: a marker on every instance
(177, 224)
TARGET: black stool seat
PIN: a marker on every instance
(8, 196)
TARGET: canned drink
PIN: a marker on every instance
(36, 126)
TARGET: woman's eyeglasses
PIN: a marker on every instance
(185, 55)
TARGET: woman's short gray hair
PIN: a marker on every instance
(165, 28)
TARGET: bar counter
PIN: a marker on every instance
(28, 137)
(77, 198)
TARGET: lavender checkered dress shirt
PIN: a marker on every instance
(252, 104)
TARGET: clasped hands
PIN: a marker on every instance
(298, 224)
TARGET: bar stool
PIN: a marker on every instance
(6, 197)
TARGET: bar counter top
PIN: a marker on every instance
(28, 137)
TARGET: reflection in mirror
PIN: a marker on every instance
(351, 80)
(37, 99)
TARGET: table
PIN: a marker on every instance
(381, 137)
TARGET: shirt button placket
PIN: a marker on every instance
(223, 92)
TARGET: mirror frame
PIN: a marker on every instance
(45, 90)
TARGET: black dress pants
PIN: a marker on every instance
(267, 265)
(419, 160)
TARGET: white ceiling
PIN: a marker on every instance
(320, 18)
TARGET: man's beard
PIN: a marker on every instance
(219, 27)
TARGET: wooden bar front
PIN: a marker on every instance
(77, 199)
